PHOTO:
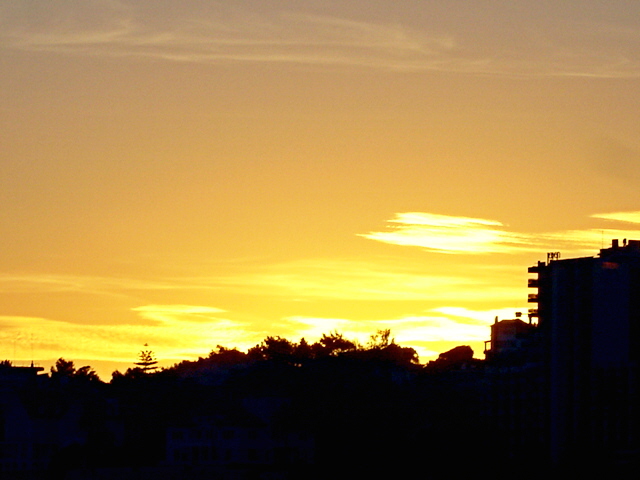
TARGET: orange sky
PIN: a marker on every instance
(188, 174)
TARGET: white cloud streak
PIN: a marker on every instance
(628, 217)
(473, 236)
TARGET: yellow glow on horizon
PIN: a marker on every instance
(171, 336)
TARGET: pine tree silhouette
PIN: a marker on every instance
(146, 361)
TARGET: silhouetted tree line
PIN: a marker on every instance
(369, 408)
(381, 348)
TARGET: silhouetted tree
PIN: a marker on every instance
(272, 348)
(302, 351)
(381, 339)
(65, 370)
(333, 344)
(146, 361)
(86, 373)
(227, 356)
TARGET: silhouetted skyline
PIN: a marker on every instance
(557, 391)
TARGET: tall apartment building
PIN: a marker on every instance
(588, 316)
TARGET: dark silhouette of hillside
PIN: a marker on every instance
(282, 409)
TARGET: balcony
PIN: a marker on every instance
(532, 298)
(533, 312)
(534, 283)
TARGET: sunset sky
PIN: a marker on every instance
(194, 173)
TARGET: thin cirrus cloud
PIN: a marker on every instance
(378, 279)
(227, 34)
(168, 313)
(474, 236)
(89, 284)
(245, 33)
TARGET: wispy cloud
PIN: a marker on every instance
(240, 33)
(228, 34)
(94, 284)
(474, 236)
(377, 279)
(171, 313)
(381, 279)
(448, 234)
(628, 217)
